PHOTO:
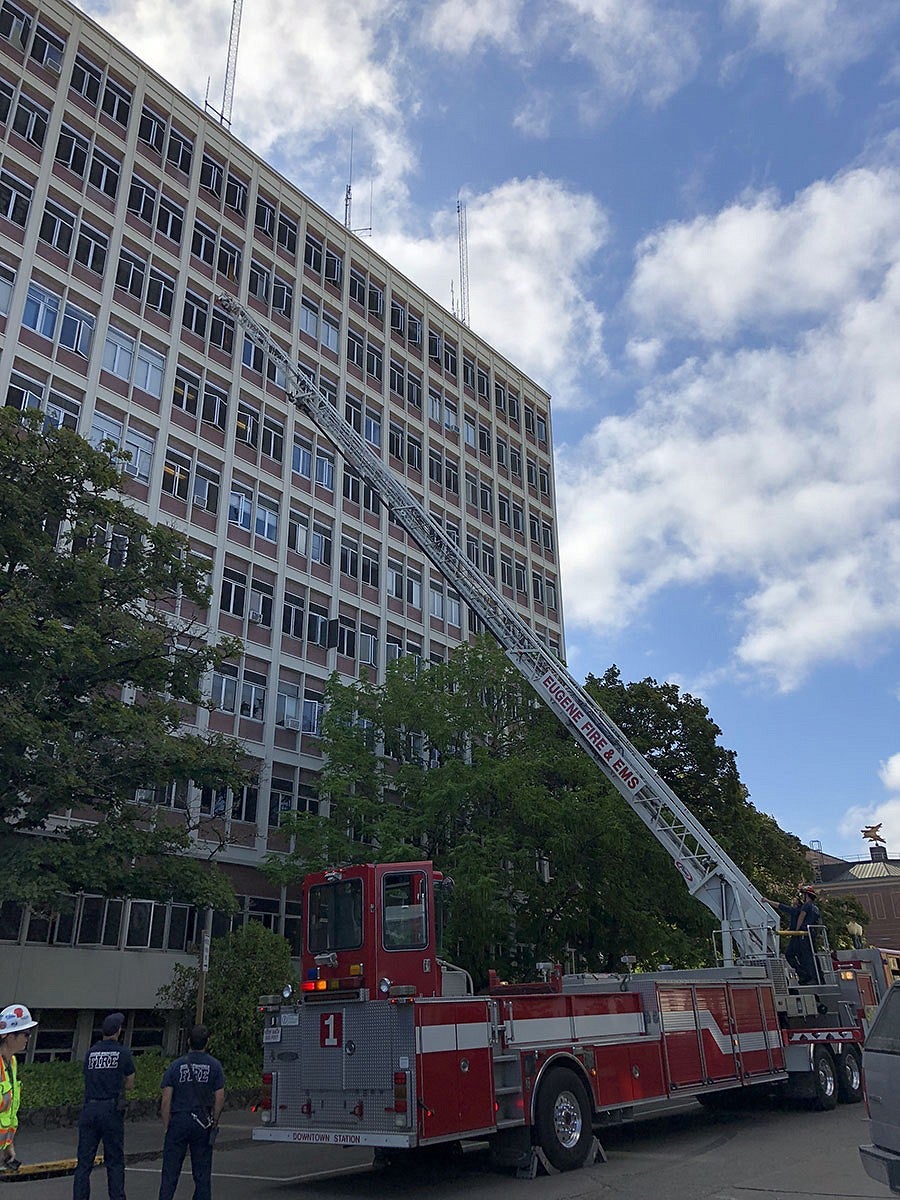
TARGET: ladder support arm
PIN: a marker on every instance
(749, 924)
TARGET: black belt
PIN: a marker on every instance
(103, 1100)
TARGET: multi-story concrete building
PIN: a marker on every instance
(124, 211)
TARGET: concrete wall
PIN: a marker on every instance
(86, 977)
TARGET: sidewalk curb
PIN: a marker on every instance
(66, 1166)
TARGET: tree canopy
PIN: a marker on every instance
(460, 762)
(102, 653)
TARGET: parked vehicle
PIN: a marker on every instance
(881, 1059)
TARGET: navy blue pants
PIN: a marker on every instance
(185, 1132)
(100, 1121)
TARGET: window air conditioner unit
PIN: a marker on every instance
(453, 428)
(131, 468)
(291, 723)
(255, 616)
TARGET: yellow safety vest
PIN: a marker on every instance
(10, 1091)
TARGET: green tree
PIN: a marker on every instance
(102, 654)
(247, 964)
(461, 763)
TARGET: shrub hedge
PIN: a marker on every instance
(48, 1085)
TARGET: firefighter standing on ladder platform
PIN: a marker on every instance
(803, 916)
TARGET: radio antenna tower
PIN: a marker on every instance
(230, 69)
(348, 194)
(463, 261)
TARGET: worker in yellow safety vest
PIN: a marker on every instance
(15, 1027)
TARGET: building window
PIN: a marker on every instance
(161, 292)
(195, 314)
(313, 706)
(211, 173)
(90, 249)
(116, 102)
(236, 194)
(47, 49)
(267, 518)
(15, 199)
(233, 597)
(312, 254)
(282, 297)
(264, 218)
(176, 475)
(118, 353)
(186, 391)
(206, 489)
(105, 172)
(298, 532)
(152, 128)
(309, 317)
(150, 370)
(41, 311)
(321, 544)
(324, 469)
(170, 219)
(373, 428)
(293, 618)
(180, 152)
(215, 406)
(72, 151)
(139, 447)
(203, 243)
(301, 459)
(287, 233)
(240, 505)
(30, 121)
(142, 199)
(86, 79)
(221, 331)
(57, 227)
(77, 330)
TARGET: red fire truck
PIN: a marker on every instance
(386, 1045)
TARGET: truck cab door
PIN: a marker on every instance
(404, 928)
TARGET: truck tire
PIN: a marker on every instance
(825, 1079)
(562, 1120)
(849, 1076)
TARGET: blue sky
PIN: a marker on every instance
(684, 222)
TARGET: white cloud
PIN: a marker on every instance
(758, 262)
(639, 49)
(774, 469)
(889, 773)
(531, 243)
(817, 38)
(304, 76)
(464, 26)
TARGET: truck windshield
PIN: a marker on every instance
(335, 916)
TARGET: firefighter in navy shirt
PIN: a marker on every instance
(193, 1094)
(108, 1074)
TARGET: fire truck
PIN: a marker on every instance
(386, 1044)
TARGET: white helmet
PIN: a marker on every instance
(15, 1019)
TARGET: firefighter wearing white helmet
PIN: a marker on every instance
(15, 1025)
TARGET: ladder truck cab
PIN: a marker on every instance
(396, 1060)
(384, 1043)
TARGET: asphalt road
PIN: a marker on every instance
(688, 1155)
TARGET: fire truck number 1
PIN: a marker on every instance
(331, 1029)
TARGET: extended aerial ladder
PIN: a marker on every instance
(749, 924)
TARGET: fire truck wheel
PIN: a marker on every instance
(563, 1120)
(849, 1076)
(825, 1079)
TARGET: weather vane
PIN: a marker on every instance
(872, 833)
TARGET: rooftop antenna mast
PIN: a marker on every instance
(462, 221)
(348, 199)
(348, 194)
(231, 68)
